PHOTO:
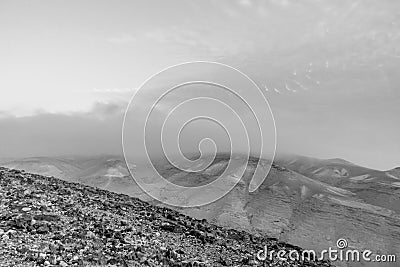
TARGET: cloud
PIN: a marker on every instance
(113, 90)
(106, 109)
(122, 38)
(282, 3)
(81, 133)
(4, 114)
(245, 3)
(202, 41)
(182, 37)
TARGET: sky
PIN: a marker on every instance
(329, 69)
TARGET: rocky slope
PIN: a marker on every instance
(49, 222)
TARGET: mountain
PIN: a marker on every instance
(332, 171)
(63, 168)
(106, 172)
(109, 173)
(294, 208)
(101, 171)
(379, 188)
(306, 202)
(50, 222)
(395, 172)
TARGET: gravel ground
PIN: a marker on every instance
(45, 221)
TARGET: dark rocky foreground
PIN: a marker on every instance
(45, 221)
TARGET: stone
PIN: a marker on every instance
(43, 255)
(63, 264)
(43, 229)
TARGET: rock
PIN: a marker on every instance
(43, 229)
(22, 249)
(27, 192)
(11, 232)
(46, 217)
(167, 227)
(25, 209)
(42, 255)
(63, 264)
(112, 261)
(90, 234)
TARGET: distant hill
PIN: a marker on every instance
(106, 172)
(62, 168)
(395, 172)
(379, 188)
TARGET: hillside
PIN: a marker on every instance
(63, 168)
(296, 209)
(395, 172)
(46, 221)
(378, 188)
